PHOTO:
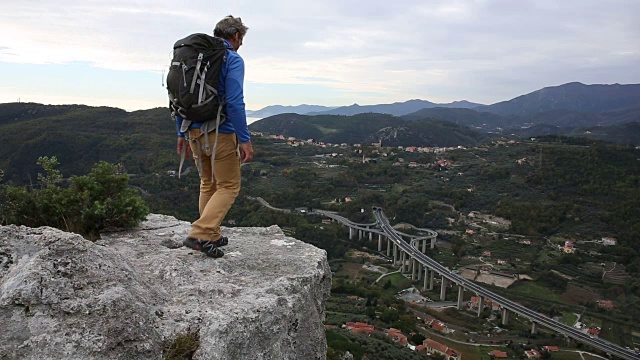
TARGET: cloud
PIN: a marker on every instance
(441, 50)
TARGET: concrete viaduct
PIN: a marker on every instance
(408, 251)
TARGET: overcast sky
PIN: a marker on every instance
(329, 52)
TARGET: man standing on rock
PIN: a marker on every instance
(220, 186)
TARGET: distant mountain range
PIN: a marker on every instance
(572, 109)
(573, 96)
(280, 109)
(397, 109)
(570, 105)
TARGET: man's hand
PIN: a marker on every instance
(182, 143)
(247, 151)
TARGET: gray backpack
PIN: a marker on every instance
(191, 83)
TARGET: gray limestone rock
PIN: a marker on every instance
(132, 294)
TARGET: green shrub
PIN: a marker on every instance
(90, 203)
(182, 347)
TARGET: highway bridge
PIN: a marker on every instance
(410, 255)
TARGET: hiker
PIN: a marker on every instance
(219, 166)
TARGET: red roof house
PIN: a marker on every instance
(532, 354)
(397, 336)
(497, 354)
(360, 328)
(433, 346)
(439, 326)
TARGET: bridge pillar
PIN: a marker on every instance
(505, 316)
(431, 276)
(533, 327)
(412, 268)
(433, 242)
(351, 233)
(419, 271)
(424, 246)
(480, 305)
(388, 247)
(360, 234)
(460, 297)
(407, 262)
(370, 236)
(379, 242)
(443, 288)
(426, 278)
(403, 258)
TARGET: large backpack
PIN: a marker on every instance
(193, 77)
(192, 81)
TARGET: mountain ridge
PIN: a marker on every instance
(368, 128)
(396, 108)
(281, 109)
(573, 96)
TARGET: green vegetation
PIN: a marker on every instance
(569, 318)
(361, 346)
(535, 290)
(182, 347)
(394, 283)
(362, 128)
(90, 203)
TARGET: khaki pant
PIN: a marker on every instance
(217, 192)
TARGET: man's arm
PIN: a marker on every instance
(236, 107)
(182, 143)
(235, 98)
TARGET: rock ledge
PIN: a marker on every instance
(130, 294)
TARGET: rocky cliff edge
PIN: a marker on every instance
(141, 295)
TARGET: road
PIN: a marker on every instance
(534, 316)
(540, 319)
(414, 252)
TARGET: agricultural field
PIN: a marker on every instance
(579, 295)
(569, 318)
(566, 355)
(355, 272)
(511, 251)
(397, 282)
(534, 290)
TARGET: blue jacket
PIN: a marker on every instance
(230, 86)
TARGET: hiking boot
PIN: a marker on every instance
(222, 241)
(209, 248)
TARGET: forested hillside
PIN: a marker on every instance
(80, 136)
(370, 127)
(573, 96)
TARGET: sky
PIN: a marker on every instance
(330, 52)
